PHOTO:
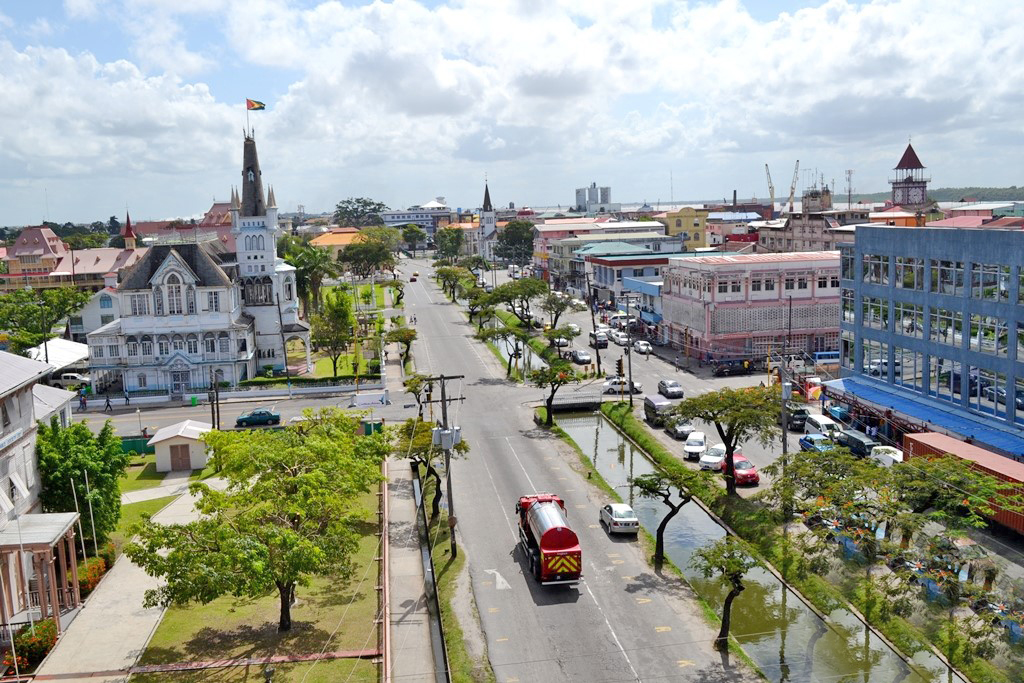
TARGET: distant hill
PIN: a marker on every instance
(955, 194)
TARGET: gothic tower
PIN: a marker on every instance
(910, 186)
(488, 225)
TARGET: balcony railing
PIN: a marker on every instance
(141, 360)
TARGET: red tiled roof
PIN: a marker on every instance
(219, 214)
(909, 160)
(37, 241)
(99, 261)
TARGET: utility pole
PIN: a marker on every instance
(593, 319)
(787, 393)
(629, 349)
(214, 400)
(446, 438)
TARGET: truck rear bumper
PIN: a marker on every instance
(556, 582)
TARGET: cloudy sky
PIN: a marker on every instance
(140, 103)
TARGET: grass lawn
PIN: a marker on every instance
(240, 627)
(141, 474)
(132, 513)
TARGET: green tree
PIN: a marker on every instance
(29, 315)
(663, 486)
(518, 296)
(398, 291)
(415, 441)
(358, 212)
(312, 266)
(513, 339)
(448, 278)
(413, 235)
(366, 258)
(555, 304)
(333, 327)
(555, 376)
(729, 559)
(390, 237)
(404, 336)
(90, 240)
(419, 386)
(66, 455)
(474, 263)
(515, 242)
(448, 244)
(113, 225)
(554, 334)
(286, 515)
(738, 415)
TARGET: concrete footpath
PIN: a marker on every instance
(112, 630)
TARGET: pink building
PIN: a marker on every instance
(747, 305)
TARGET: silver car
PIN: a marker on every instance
(619, 518)
(669, 388)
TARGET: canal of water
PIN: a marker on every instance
(787, 640)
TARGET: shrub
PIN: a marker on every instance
(109, 553)
(89, 574)
(32, 644)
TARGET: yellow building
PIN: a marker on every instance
(336, 240)
(690, 222)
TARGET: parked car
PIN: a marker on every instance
(680, 430)
(619, 518)
(620, 384)
(859, 443)
(580, 356)
(561, 342)
(714, 458)
(995, 394)
(642, 346)
(732, 367)
(619, 337)
(260, 416)
(696, 444)
(797, 416)
(70, 379)
(573, 327)
(669, 388)
(488, 288)
(818, 443)
(744, 471)
(819, 424)
(886, 456)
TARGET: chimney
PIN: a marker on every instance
(734, 197)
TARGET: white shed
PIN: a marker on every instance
(178, 446)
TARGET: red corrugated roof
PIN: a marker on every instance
(909, 160)
(986, 458)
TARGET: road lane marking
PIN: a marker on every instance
(497, 496)
(501, 640)
(499, 581)
(612, 631)
(684, 663)
(593, 526)
(628, 578)
(516, 455)
(642, 601)
(493, 610)
(618, 562)
(580, 506)
(661, 629)
(614, 555)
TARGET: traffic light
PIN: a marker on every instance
(618, 367)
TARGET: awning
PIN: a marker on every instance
(36, 532)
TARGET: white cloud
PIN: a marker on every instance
(399, 98)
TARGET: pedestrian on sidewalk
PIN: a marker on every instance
(127, 399)
(107, 408)
(385, 355)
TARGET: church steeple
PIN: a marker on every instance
(128, 233)
(487, 198)
(253, 203)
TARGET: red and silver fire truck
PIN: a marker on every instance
(550, 545)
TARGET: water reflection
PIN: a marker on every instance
(786, 639)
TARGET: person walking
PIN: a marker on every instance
(127, 399)
(107, 408)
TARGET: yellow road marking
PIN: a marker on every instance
(511, 679)
(581, 506)
(662, 629)
(627, 578)
(593, 526)
(502, 640)
(642, 601)
(614, 555)
(492, 610)
(486, 583)
(618, 562)
(684, 662)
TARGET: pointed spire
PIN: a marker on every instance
(253, 202)
(909, 160)
(271, 202)
(128, 231)
(234, 199)
(487, 198)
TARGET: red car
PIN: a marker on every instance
(746, 473)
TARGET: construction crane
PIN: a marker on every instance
(792, 186)
(771, 189)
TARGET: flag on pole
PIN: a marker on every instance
(253, 105)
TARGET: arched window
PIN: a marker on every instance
(209, 343)
(248, 243)
(192, 344)
(133, 347)
(288, 289)
(266, 288)
(163, 345)
(259, 241)
(147, 345)
(158, 301)
(173, 295)
(224, 342)
(141, 380)
(190, 299)
(106, 301)
(178, 343)
(679, 222)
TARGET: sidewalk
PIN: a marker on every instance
(111, 631)
(412, 656)
(174, 483)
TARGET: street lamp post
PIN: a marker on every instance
(629, 346)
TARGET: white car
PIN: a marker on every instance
(714, 459)
(579, 303)
(561, 342)
(573, 327)
(886, 456)
(619, 337)
(620, 384)
(696, 444)
(642, 346)
(619, 518)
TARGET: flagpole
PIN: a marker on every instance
(246, 118)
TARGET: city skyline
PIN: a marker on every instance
(140, 105)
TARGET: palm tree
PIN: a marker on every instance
(312, 266)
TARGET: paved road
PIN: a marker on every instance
(624, 623)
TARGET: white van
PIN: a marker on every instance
(792, 362)
(819, 424)
(886, 456)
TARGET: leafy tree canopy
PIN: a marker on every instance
(358, 212)
(448, 243)
(30, 315)
(366, 258)
(413, 235)
(515, 242)
(555, 376)
(518, 295)
(390, 237)
(66, 455)
(333, 327)
(286, 515)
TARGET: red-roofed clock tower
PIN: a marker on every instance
(910, 186)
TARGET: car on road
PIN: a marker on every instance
(619, 337)
(797, 416)
(696, 444)
(642, 346)
(713, 458)
(859, 443)
(573, 327)
(620, 384)
(619, 518)
(561, 342)
(669, 388)
(817, 443)
(580, 356)
(599, 340)
(412, 279)
(578, 303)
(488, 288)
(745, 471)
(679, 430)
(415, 273)
(260, 416)
(886, 456)
(732, 367)
(481, 282)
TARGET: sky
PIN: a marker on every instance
(138, 105)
